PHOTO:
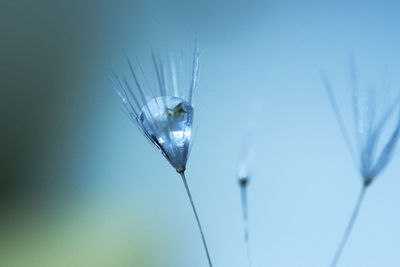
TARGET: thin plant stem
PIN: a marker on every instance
(349, 227)
(243, 190)
(182, 173)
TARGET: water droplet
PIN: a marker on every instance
(168, 120)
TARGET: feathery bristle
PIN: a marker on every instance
(370, 119)
(165, 116)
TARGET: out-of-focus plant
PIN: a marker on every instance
(244, 169)
(165, 115)
(375, 112)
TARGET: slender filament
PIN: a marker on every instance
(243, 191)
(182, 173)
(349, 227)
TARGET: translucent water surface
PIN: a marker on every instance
(168, 121)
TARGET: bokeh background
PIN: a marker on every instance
(81, 187)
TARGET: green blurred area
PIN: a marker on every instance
(78, 238)
(47, 53)
(46, 58)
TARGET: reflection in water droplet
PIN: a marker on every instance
(168, 120)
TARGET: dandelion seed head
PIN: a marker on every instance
(376, 117)
(163, 111)
(248, 144)
(246, 156)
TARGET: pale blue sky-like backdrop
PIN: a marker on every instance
(123, 205)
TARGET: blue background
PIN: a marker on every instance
(83, 188)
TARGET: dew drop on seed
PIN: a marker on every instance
(168, 120)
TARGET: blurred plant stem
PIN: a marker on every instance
(243, 182)
(350, 225)
(182, 173)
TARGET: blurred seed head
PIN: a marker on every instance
(243, 181)
(248, 144)
(376, 118)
